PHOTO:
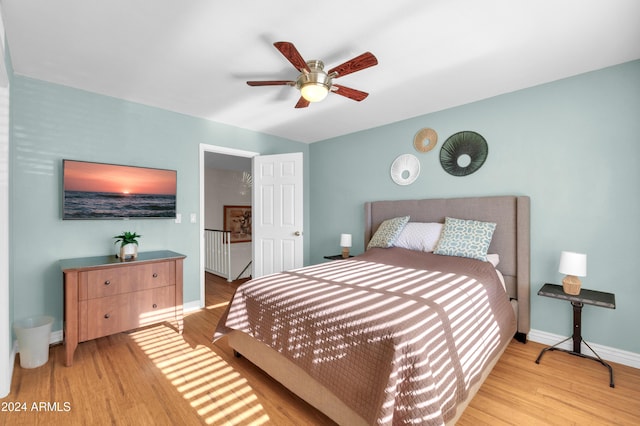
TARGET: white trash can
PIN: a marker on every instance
(33, 340)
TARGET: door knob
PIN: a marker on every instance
(297, 233)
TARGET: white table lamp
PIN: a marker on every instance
(574, 265)
(345, 243)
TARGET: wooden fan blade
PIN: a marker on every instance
(358, 63)
(291, 53)
(348, 92)
(272, 83)
(302, 103)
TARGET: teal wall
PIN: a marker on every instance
(51, 122)
(572, 145)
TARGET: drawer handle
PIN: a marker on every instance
(107, 282)
(155, 306)
(155, 275)
(107, 316)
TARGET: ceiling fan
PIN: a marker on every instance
(314, 82)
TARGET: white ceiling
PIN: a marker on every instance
(194, 56)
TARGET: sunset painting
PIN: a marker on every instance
(102, 191)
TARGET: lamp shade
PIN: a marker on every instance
(573, 264)
(345, 240)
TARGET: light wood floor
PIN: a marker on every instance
(155, 376)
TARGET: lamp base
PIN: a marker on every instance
(345, 252)
(571, 285)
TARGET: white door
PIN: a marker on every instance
(277, 213)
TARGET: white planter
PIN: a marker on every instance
(128, 251)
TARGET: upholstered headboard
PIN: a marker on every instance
(511, 239)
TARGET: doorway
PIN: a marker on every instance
(236, 162)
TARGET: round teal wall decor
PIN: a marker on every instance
(463, 153)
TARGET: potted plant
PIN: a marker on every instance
(128, 244)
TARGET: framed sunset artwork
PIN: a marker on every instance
(111, 191)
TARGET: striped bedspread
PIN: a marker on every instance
(398, 335)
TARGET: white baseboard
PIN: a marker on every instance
(605, 352)
(56, 337)
(192, 306)
(12, 363)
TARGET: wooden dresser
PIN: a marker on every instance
(104, 295)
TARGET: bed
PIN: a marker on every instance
(380, 338)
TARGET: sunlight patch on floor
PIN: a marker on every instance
(217, 306)
(216, 390)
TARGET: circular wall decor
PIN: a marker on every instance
(405, 169)
(425, 140)
(463, 153)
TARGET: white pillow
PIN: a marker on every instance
(419, 236)
(494, 259)
(501, 278)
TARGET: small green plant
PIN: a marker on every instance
(127, 238)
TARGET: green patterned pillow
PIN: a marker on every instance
(387, 232)
(465, 238)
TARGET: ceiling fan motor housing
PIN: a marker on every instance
(317, 76)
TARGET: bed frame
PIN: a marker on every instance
(511, 241)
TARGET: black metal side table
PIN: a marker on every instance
(589, 297)
(335, 257)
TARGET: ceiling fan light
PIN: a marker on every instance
(314, 92)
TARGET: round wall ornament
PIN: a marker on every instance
(425, 140)
(405, 169)
(463, 153)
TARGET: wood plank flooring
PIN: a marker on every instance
(155, 376)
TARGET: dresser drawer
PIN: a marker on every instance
(126, 279)
(114, 314)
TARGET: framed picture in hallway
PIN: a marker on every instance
(237, 219)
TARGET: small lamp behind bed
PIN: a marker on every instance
(345, 243)
(574, 265)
